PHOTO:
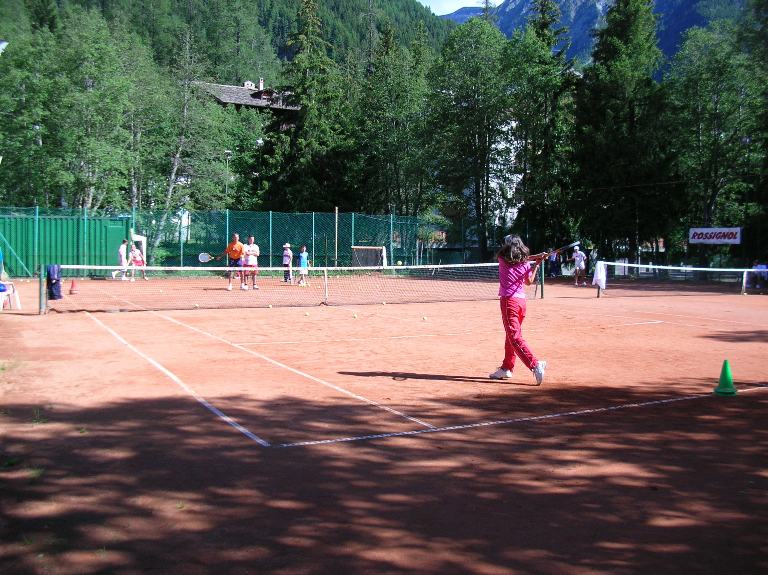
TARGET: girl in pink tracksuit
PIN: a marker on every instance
(515, 272)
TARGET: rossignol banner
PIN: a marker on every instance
(714, 236)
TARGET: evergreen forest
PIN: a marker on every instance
(398, 112)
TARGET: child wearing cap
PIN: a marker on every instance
(516, 271)
(287, 263)
(579, 259)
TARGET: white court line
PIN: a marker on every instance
(430, 335)
(298, 372)
(708, 318)
(504, 421)
(173, 377)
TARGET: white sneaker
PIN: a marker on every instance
(229, 288)
(114, 273)
(538, 372)
(133, 279)
(243, 287)
(501, 374)
(255, 286)
(584, 284)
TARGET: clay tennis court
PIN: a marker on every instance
(368, 438)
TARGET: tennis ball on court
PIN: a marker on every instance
(270, 306)
(306, 313)
(399, 263)
(424, 318)
(197, 305)
(383, 303)
(354, 315)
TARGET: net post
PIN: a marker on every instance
(41, 288)
(325, 285)
(541, 279)
(744, 282)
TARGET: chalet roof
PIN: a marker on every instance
(242, 96)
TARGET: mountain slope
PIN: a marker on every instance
(581, 17)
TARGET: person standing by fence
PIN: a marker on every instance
(234, 250)
(287, 263)
(122, 261)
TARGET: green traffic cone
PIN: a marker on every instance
(725, 386)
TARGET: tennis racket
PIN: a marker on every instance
(205, 257)
(545, 255)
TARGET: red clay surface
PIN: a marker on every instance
(376, 443)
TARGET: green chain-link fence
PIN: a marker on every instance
(32, 237)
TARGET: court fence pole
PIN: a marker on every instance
(270, 238)
(391, 235)
(313, 236)
(353, 228)
(37, 239)
(181, 241)
(336, 237)
(41, 288)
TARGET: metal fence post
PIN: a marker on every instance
(85, 237)
(41, 287)
(181, 240)
(37, 239)
(313, 236)
(270, 238)
(336, 237)
(353, 228)
(391, 235)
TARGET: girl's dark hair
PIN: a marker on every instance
(513, 250)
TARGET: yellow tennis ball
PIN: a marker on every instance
(354, 315)
(270, 306)
(383, 303)
(399, 263)
(424, 318)
(306, 313)
(197, 305)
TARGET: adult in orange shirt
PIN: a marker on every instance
(234, 250)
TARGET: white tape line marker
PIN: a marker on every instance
(173, 377)
(506, 421)
(298, 372)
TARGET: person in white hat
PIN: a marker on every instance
(287, 263)
(579, 260)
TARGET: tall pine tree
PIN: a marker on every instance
(620, 155)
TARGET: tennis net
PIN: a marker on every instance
(655, 279)
(108, 288)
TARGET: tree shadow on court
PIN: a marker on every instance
(757, 335)
(161, 486)
(405, 375)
